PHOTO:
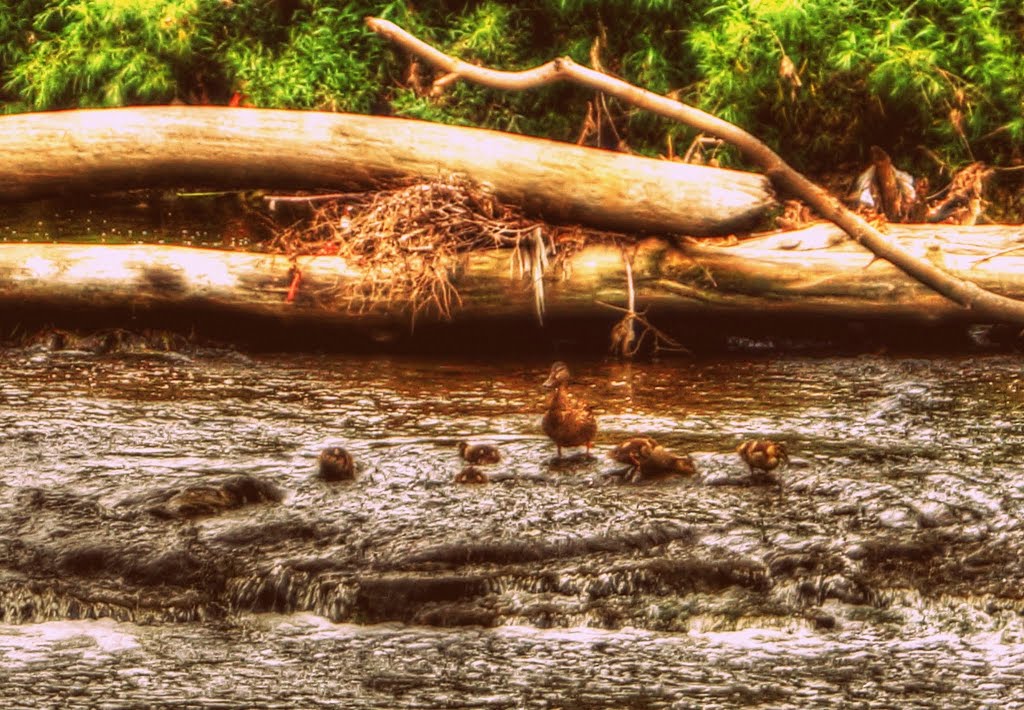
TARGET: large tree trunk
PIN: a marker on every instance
(815, 271)
(46, 154)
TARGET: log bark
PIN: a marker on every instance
(811, 272)
(89, 151)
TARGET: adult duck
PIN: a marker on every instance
(568, 421)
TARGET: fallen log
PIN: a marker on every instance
(91, 151)
(815, 271)
(818, 270)
(990, 306)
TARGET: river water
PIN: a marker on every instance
(884, 570)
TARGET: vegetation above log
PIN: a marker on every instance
(939, 74)
(115, 149)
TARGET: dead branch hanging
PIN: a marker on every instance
(624, 341)
(964, 293)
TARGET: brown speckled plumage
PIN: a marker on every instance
(336, 464)
(470, 474)
(479, 453)
(763, 455)
(568, 420)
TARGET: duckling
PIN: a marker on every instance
(568, 421)
(336, 464)
(479, 453)
(629, 450)
(658, 463)
(762, 455)
(470, 474)
(212, 498)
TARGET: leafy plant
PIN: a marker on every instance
(107, 52)
(945, 74)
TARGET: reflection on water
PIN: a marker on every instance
(144, 216)
(885, 569)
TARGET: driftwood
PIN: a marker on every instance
(62, 152)
(814, 271)
(967, 294)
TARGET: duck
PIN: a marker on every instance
(479, 453)
(658, 463)
(470, 474)
(568, 421)
(762, 455)
(212, 498)
(629, 450)
(336, 464)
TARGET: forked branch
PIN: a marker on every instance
(965, 293)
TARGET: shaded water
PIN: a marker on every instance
(145, 216)
(885, 570)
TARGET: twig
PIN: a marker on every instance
(1002, 252)
(624, 339)
(965, 293)
(642, 319)
(305, 198)
(631, 292)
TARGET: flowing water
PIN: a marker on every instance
(884, 570)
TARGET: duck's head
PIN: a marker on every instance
(559, 375)
(778, 450)
(336, 454)
(683, 465)
(644, 451)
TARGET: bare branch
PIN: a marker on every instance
(964, 293)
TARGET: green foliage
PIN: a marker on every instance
(326, 59)
(917, 74)
(946, 74)
(106, 52)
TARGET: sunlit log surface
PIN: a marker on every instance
(814, 271)
(88, 151)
